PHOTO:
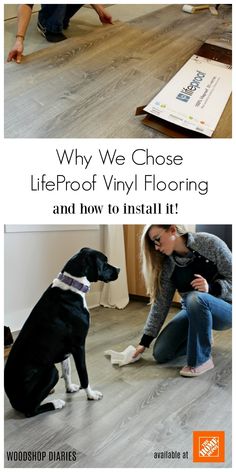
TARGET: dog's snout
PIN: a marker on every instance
(118, 270)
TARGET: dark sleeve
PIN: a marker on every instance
(146, 340)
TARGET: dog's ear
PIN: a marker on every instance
(76, 265)
(92, 262)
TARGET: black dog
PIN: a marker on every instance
(56, 328)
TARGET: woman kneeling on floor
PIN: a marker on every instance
(199, 266)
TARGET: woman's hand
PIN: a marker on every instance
(104, 15)
(105, 18)
(200, 284)
(139, 350)
(16, 52)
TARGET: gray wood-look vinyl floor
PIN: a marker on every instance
(89, 86)
(146, 407)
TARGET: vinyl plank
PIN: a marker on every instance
(76, 116)
(76, 88)
(50, 63)
(141, 416)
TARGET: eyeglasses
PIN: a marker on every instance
(156, 241)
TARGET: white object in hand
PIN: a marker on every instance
(123, 358)
(194, 8)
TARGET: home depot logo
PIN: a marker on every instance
(186, 93)
(208, 446)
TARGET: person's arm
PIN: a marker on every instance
(224, 266)
(23, 19)
(157, 314)
(103, 14)
(214, 249)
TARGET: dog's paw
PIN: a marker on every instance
(72, 388)
(58, 404)
(93, 394)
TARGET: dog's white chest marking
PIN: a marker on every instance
(64, 286)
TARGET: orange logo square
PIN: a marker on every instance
(208, 446)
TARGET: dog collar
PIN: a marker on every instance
(73, 283)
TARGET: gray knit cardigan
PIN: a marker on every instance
(208, 246)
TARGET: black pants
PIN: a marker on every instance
(56, 17)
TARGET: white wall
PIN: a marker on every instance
(33, 259)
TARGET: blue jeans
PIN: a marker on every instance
(56, 17)
(189, 332)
